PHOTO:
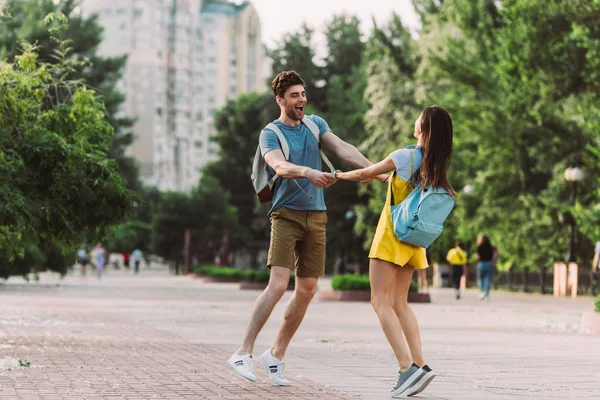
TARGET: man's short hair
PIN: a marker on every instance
(284, 80)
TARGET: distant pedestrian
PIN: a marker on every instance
(457, 257)
(485, 266)
(596, 262)
(82, 258)
(100, 256)
(125, 259)
(137, 258)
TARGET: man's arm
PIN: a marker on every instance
(347, 152)
(287, 170)
(344, 150)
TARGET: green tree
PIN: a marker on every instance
(23, 21)
(206, 212)
(124, 238)
(55, 176)
(516, 80)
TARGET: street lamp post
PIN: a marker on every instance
(573, 174)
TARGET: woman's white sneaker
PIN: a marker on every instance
(243, 365)
(275, 367)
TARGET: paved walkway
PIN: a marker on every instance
(158, 337)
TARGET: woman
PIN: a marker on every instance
(485, 266)
(393, 262)
(100, 260)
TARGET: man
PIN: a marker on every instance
(298, 221)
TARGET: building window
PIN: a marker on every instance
(159, 112)
(198, 145)
(121, 11)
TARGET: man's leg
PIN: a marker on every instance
(286, 232)
(264, 305)
(294, 314)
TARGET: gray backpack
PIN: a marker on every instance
(263, 183)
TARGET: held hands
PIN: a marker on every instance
(320, 179)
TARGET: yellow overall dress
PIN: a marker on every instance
(386, 246)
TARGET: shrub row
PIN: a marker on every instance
(261, 276)
(360, 283)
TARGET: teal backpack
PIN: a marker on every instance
(419, 218)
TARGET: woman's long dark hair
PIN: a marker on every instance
(436, 131)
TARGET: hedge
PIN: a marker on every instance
(598, 304)
(360, 283)
(250, 275)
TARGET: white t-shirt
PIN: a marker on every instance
(598, 247)
(402, 160)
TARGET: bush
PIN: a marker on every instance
(222, 272)
(360, 283)
(351, 282)
(598, 304)
(202, 270)
(414, 287)
(262, 276)
(252, 275)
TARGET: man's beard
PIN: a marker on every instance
(292, 113)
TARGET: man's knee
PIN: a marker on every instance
(279, 281)
(306, 291)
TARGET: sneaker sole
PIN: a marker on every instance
(406, 385)
(249, 377)
(422, 384)
(266, 365)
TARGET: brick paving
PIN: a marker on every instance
(158, 337)
(78, 350)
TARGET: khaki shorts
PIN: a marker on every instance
(299, 233)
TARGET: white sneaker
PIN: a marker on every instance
(243, 365)
(275, 367)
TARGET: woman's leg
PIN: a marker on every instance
(404, 313)
(487, 280)
(422, 277)
(480, 279)
(382, 275)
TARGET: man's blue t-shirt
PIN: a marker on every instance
(297, 194)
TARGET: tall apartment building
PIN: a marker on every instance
(186, 58)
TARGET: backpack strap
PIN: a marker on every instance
(412, 163)
(315, 131)
(285, 148)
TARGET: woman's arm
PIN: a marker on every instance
(369, 172)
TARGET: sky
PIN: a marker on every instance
(280, 17)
